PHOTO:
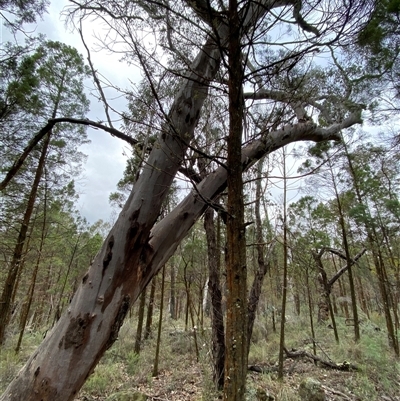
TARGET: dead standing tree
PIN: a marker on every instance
(324, 305)
(136, 248)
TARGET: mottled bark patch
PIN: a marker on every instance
(75, 335)
(43, 390)
(119, 319)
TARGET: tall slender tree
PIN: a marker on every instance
(60, 71)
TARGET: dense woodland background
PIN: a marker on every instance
(322, 219)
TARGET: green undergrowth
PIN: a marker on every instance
(122, 371)
(378, 369)
(11, 362)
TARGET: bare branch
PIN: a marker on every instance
(204, 11)
(345, 366)
(95, 78)
(301, 21)
(295, 102)
(353, 261)
(48, 127)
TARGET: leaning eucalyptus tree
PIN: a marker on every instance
(285, 98)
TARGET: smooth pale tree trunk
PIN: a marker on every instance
(194, 329)
(61, 364)
(205, 306)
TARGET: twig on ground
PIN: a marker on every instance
(260, 369)
(337, 392)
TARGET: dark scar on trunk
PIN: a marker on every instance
(119, 319)
(108, 256)
(76, 332)
(85, 277)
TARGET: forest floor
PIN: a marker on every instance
(122, 375)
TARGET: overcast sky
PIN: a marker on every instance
(106, 160)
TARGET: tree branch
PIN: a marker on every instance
(49, 126)
(204, 11)
(345, 267)
(95, 78)
(301, 21)
(167, 234)
(345, 366)
(295, 102)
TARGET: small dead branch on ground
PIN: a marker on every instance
(344, 366)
